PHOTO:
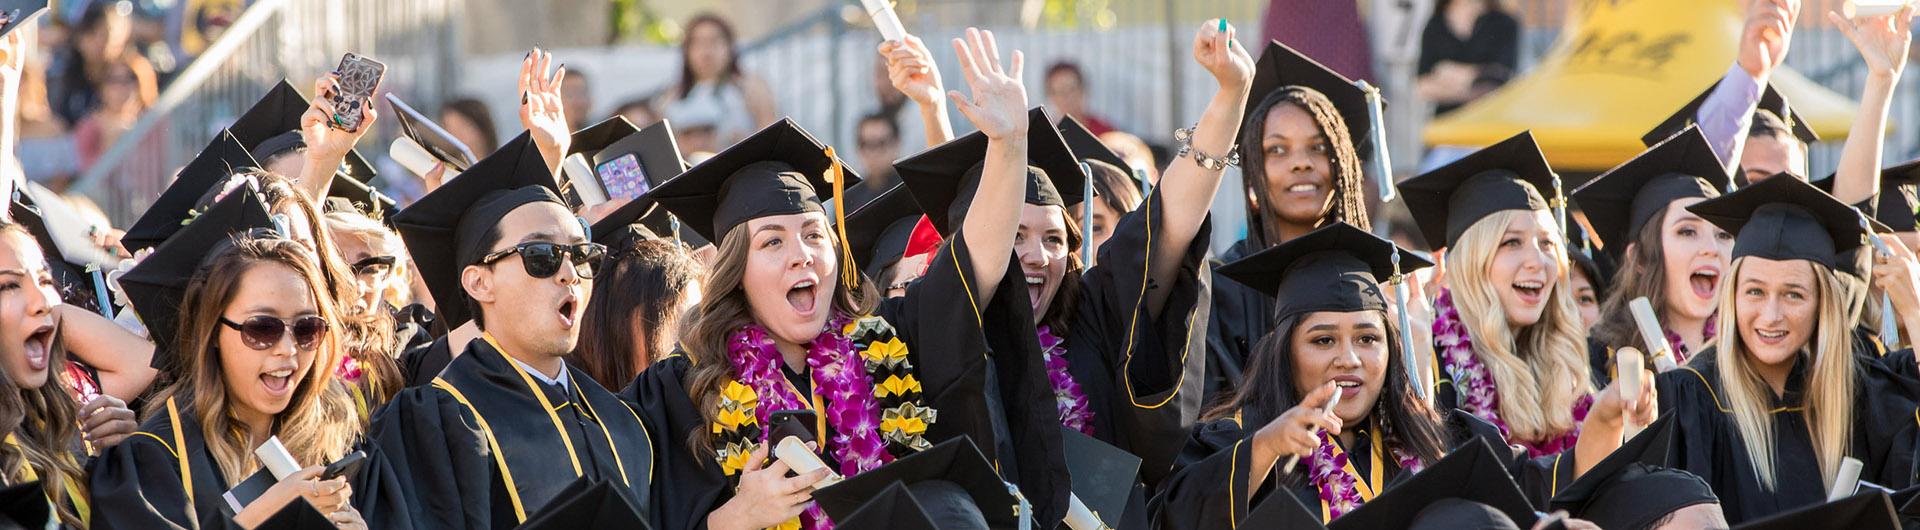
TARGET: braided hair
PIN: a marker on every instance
(1349, 200)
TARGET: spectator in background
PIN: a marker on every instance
(1329, 32)
(877, 139)
(715, 102)
(127, 88)
(471, 121)
(891, 104)
(1135, 151)
(638, 112)
(1067, 94)
(46, 148)
(576, 98)
(99, 40)
(1469, 48)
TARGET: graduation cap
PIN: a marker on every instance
(349, 195)
(586, 504)
(1896, 201)
(779, 170)
(1778, 114)
(880, 230)
(19, 13)
(893, 508)
(75, 283)
(221, 158)
(625, 226)
(944, 178)
(296, 515)
(156, 286)
(1472, 472)
(1786, 219)
(1864, 511)
(1598, 266)
(25, 506)
(272, 127)
(1632, 487)
(1089, 147)
(1623, 200)
(1282, 512)
(1103, 475)
(956, 460)
(443, 230)
(640, 216)
(1510, 175)
(1280, 66)
(1337, 267)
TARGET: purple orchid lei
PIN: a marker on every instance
(1475, 385)
(1340, 490)
(1680, 353)
(1068, 398)
(839, 376)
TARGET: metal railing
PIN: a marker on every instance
(272, 40)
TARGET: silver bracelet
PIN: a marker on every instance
(1208, 162)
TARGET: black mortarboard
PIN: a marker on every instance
(593, 138)
(779, 170)
(1632, 488)
(1771, 101)
(222, 157)
(1103, 475)
(1280, 66)
(944, 178)
(1089, 147)
(1785, 219)
(156, 286)
(24, 505)
(1621, 201)
(625, 226)
(443, 229)
(1510, 175)
(272, 126)
(19, 13)
(1863, 511)
(894, 508)
(1282, 512)
(351, 195)
(956, 460)
(1472, 472)
(1895, 204)
(660, 160)
(75, 283)
(1337, 267)
(296, 515)
(880, 230)
(586, 504)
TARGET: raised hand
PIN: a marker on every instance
(1767, 34)
(1882, 40)
(540, 109)
(1215, 50)
(324, 142)
(911, 69)
(998, 106)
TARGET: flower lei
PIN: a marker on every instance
(1476, 386)
(80, 384)
(1680, 353)
(868, 404)
(1068, 398)
(1340, 490)
(350, 370)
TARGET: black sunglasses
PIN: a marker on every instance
(263, 332)
(542, 259)
(374, 265)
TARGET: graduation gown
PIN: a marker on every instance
(1143, 376)
(161, 477)
(1707, 442)
(486, 445)
(420, 363)
(980, 369)
(1240, 316)
(1209, 490)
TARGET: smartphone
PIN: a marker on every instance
(796, 423)
(623, 178)
(346, 466)
(359, 77)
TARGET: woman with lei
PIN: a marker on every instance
(1336, 334)
(787, 326)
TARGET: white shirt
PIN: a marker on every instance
(561, 380)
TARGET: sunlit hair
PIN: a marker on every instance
(384, 241)
(644, 283)
(725, 310)
(1829, 385)
(1349, 200)
(1540, 370)
(43, 420)
(319, 422)
(1642, 273)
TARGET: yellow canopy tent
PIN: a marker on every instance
(1618, 69)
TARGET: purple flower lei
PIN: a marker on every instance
(1340, 490)
(1068, 398)
(1475, 384)
(1680, 353)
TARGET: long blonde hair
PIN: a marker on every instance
(1541, 370)
(1829, 387)
(319, 422)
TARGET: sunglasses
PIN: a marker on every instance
(374, 265)
(263, 332)
(542, 259)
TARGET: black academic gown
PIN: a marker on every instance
(1240, 316)
(1209, 489)
(1708, 442)
(486, 445)
(981, 371)
(161, 477)
(420, 363)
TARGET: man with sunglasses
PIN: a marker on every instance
(507, 425)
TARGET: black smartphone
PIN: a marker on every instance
(346, 466)
(359, 77)
(796, 423)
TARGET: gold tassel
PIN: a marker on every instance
(849, 271)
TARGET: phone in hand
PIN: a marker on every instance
(796, 423)
(347, 466)
(359, 77)
(623, 178)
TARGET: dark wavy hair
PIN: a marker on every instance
(1349, 199)
(44, 419)
(642, 283)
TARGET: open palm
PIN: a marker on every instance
(998, 105)
(540, 109)
(1882, 40)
